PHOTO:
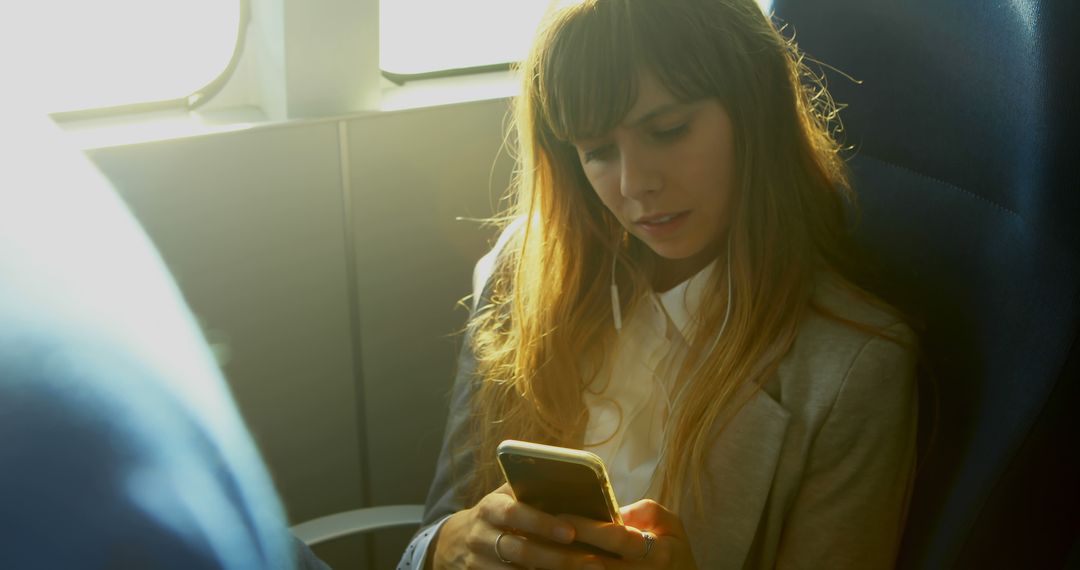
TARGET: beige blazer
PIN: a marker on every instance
(814, 471)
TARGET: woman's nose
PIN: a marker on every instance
(639, 175)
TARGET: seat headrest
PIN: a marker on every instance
(979, 95)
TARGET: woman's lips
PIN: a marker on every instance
(658, 225)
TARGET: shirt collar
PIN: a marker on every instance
(682, 302)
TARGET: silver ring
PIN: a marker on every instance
(499, 554)
(650, 538)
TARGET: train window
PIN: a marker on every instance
(111, 53)
(421, 38)
(430, 38)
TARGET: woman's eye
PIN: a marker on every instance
(597, 153)
(671, 133)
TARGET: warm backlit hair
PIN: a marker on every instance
(545, 329)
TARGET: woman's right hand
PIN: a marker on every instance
(532, 539)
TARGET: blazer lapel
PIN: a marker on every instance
(739, 474)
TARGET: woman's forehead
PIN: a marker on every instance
(651, 95)
(650, 99)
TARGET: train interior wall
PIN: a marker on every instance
(325, 260)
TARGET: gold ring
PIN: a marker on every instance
(499, 554)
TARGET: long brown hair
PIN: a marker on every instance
(547, 324)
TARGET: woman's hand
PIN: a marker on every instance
(670, 548)
(531, 538)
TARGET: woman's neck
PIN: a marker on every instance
(667, 273)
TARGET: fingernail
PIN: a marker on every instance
(564, 534)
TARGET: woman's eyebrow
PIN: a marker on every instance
(645, 118)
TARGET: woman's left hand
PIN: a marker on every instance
(670, 549)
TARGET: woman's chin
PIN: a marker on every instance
(670, 251)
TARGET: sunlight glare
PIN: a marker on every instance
(115, 52)
(418, 36)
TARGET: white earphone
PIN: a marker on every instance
(616, 313)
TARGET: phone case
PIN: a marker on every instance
(559, 480)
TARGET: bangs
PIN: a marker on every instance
(590, 56)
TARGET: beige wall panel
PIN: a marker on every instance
(412, 174)
(251, 225)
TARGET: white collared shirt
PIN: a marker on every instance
(636, 379)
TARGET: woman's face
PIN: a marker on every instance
(666, 174)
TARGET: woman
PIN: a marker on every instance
(754, 408)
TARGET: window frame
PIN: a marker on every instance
(400, 79)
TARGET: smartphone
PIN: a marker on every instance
(560, 480)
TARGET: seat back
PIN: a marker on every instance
(962, 118)
(122, 446)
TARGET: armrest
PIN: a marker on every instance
(337, 525)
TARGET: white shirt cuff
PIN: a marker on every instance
(416, 552)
